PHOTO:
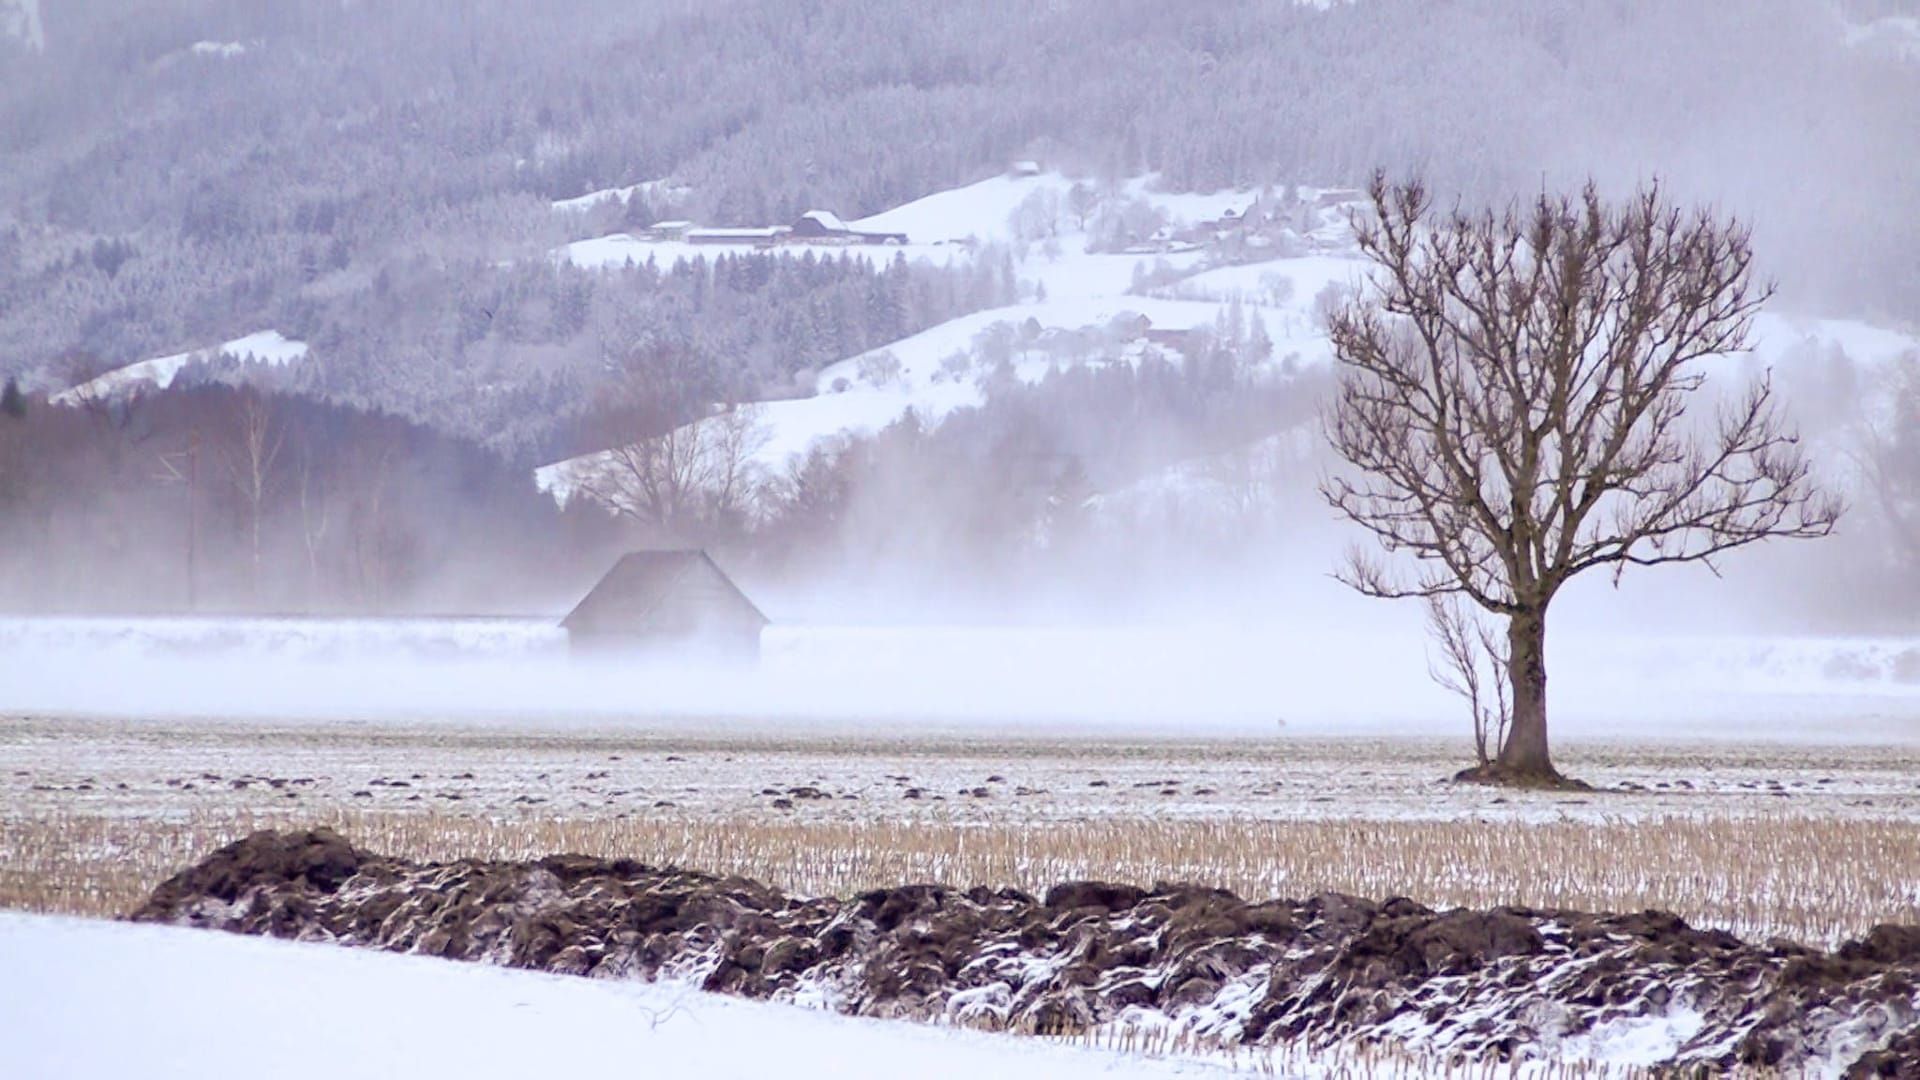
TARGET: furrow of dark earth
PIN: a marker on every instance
(1504, 983)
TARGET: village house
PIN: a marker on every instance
(666, 605)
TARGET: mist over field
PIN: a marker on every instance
(349, 349)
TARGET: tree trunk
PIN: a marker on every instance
(1525, 754)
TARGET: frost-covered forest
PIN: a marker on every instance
(154, 194)
(377, 182)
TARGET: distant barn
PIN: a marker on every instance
(667, 603)
(825, 227)
(821, 225)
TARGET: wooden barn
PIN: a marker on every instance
(667, 603)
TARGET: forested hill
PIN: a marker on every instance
(176, 172)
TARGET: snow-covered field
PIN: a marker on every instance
(131, 741)
(82, 999)
(122, 716)
(268, 347)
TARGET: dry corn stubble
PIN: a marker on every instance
(1813, 880)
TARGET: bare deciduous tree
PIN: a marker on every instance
(698, 476)
(1471, 658)
(1513, 400)
(313, 486)
(258, 437)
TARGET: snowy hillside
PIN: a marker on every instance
(268, 347)
(1050, 225)
(1191, 273)
(619, 249)
(984, 210)
(647, 189)
(1897, 34)
(1049, 212)
(934, 372)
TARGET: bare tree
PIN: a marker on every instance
(182, 467)
(697, 476)
(316, 504)
(1513, 401)
(1471, 656)
(250, 465)
(381, 546)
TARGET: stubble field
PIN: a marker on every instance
(1814, 843)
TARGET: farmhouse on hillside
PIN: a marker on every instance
(825, 226)
(667, 604)
(821, 225)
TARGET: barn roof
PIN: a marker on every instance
(826, 219)
(643, 580)
(755, 233)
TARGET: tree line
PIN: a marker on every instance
(210, 497)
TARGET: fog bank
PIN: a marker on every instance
(1195, 679)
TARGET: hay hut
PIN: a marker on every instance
(667, 603)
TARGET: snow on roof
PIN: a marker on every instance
(671, 225)
(218, 48)
(827, 220)
(739, 234)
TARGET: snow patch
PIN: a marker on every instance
(221, 49)
(665, 188)
(863, 394)
(21, 19)
(983, 211)
(268, 347)
(185, 1004)
(1897, 34)
(1635, 1040)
